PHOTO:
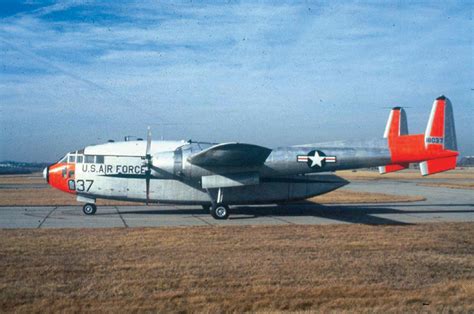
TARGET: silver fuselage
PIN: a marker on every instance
(117, 171)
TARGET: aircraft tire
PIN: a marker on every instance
(89, 209)
(220, 211)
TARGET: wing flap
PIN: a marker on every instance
(231, 155)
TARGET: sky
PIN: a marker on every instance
(276, 73)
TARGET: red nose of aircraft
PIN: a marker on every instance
(61, 176)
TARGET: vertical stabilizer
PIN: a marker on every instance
(440, 132)
(397, 123)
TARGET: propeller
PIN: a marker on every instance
(148, 164)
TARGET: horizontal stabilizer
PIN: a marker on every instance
(392, 168)
(437, 165)
(231, 155)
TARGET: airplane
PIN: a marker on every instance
(218, 175)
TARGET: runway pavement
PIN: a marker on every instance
(442, 204)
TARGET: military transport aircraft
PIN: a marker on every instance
(218, 175)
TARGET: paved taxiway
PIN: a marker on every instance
(442, 204)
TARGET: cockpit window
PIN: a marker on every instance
(89, 159)
(64, 159)
(99, 159)
(72, 158)
(79, 159)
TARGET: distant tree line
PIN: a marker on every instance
(15, 167)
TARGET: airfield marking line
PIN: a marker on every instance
(120, 215)
(203, 220)
(284, 220)
(47, 216)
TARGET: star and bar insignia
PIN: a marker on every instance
(316, 158)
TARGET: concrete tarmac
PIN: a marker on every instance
(442, 205)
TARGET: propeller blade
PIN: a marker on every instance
(148, 142)
(148, 164)
(147, 178)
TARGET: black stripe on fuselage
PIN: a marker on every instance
(133, 176)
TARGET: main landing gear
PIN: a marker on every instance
(89, 209)
(217, 209)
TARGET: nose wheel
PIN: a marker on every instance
(89, 209)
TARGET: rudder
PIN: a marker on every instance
(440, 132)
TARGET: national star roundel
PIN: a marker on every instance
(316, 158)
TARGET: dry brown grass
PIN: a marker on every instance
(51, 197)
(428, 268)
(45, 197)
(22, 179)
(408, 174)
(450, 185)
(349, 197)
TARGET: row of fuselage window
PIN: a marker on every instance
(88, 159)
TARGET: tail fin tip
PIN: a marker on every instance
(397, 123)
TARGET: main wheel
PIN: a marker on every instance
(89, 209)
(220, 211)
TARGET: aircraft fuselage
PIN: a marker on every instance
(186, 172)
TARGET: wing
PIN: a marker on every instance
(231, 155)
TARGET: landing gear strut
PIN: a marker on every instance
(218, 209)
(89, 209)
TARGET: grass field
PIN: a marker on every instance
(338, 268)
(422, 268)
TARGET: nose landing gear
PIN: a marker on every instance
(89, 209)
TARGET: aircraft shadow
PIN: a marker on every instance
(360, 214)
